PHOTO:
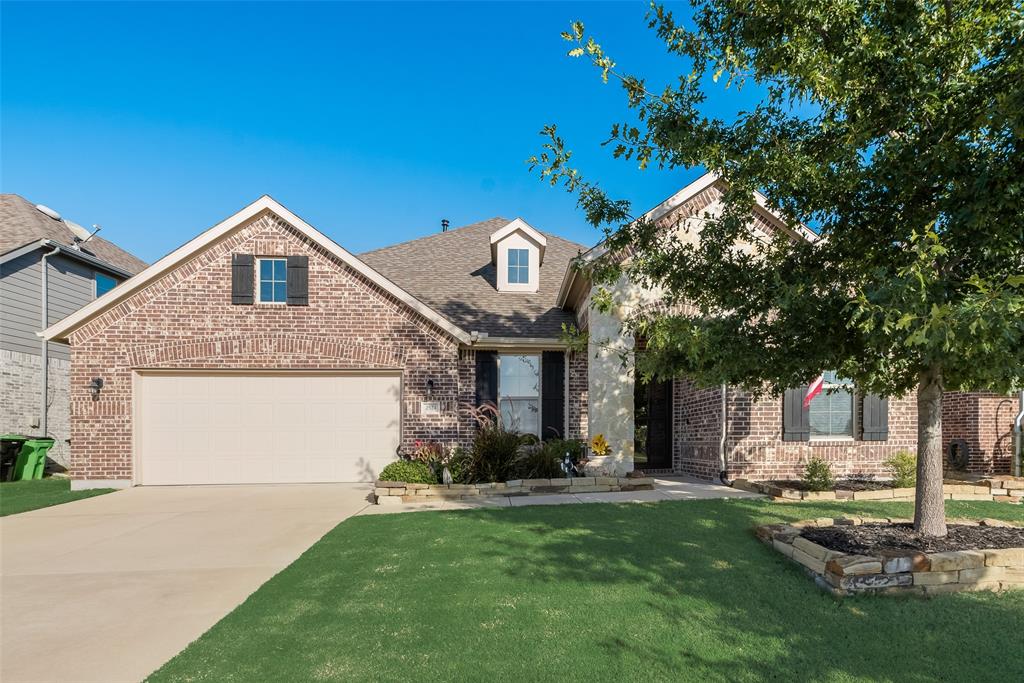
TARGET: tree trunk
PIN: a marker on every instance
(929, 507)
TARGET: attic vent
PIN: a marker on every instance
(48, 211)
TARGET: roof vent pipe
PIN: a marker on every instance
(444, 225)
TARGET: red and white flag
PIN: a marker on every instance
(814, 389)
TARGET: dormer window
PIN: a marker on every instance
(519, 266)
(517, 251)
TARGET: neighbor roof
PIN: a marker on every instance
(452, 273)
(21, 224)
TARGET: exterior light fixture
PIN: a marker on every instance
(430, 387)
(94, 387)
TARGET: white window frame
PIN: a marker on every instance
(259, 289)
(520, 251)
(540, 387)
(852, 436)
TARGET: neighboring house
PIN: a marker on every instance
(262, 351)
(49, 268)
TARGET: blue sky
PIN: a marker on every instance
(371, 121)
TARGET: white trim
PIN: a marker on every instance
(61, 330)
(524, 227)
(86, 484)
(259, 289)
(514, 343)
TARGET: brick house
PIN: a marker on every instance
(262, 351)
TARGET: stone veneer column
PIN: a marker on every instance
(610, 404)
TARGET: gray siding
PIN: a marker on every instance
(71, 286)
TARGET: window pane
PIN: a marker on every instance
(104, 284)
(280, 291)
(266, 269)
(513, 274)
(521, 414)
(524, 258)
(266, 291)
(832, 414)
(519, 376)
(513, 257)
(280, 267)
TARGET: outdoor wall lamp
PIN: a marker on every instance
(94, 387)
(430, 387)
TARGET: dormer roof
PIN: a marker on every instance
(518, 225)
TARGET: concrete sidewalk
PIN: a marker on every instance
(109, 588)
(665, 488)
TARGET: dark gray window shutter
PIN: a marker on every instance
(486, 377)
(242, 279)
(298, 280)
(796, 420)
(552, 395)
(875, 418)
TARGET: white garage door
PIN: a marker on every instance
(265, 428)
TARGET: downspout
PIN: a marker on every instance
(1018, 436)
(722, 473)
(44, 345)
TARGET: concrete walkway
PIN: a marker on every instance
(665, 488)
(109, 588)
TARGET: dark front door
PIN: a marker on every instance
(652, 403)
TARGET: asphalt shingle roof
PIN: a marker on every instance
(22, 223)
(452, 273)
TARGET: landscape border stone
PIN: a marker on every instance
(394, 492)
(893, 572)
(1002, 489)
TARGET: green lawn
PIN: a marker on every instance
(667, 591)
(22, 496)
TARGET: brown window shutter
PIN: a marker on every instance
(552, 399)
(875, 418)
(242, 279)
(796, 419)
(298, 280)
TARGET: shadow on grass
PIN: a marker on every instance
(760, 615)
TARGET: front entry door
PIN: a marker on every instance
(653, 424)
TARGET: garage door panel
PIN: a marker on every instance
(222, 429)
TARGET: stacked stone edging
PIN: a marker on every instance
(897, 572)
(396, 492)
(1005, 489)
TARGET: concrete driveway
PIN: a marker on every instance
(109, 588)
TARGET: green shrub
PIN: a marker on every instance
(818, 475)
(493, 455)
(903, 468)
(537, 462)
(409, 471)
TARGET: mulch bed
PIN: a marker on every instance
(841, 485)
(870, 538)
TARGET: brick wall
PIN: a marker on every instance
(985, 422)
(186, 320)
(754, 445)
(576, 410)
(20, 384)
(696, 429)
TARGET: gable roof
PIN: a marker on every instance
(61, 330)
(668, 206)
(22, 224)
(453, 273)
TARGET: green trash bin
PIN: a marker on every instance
(10, 447)
(32, 460)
